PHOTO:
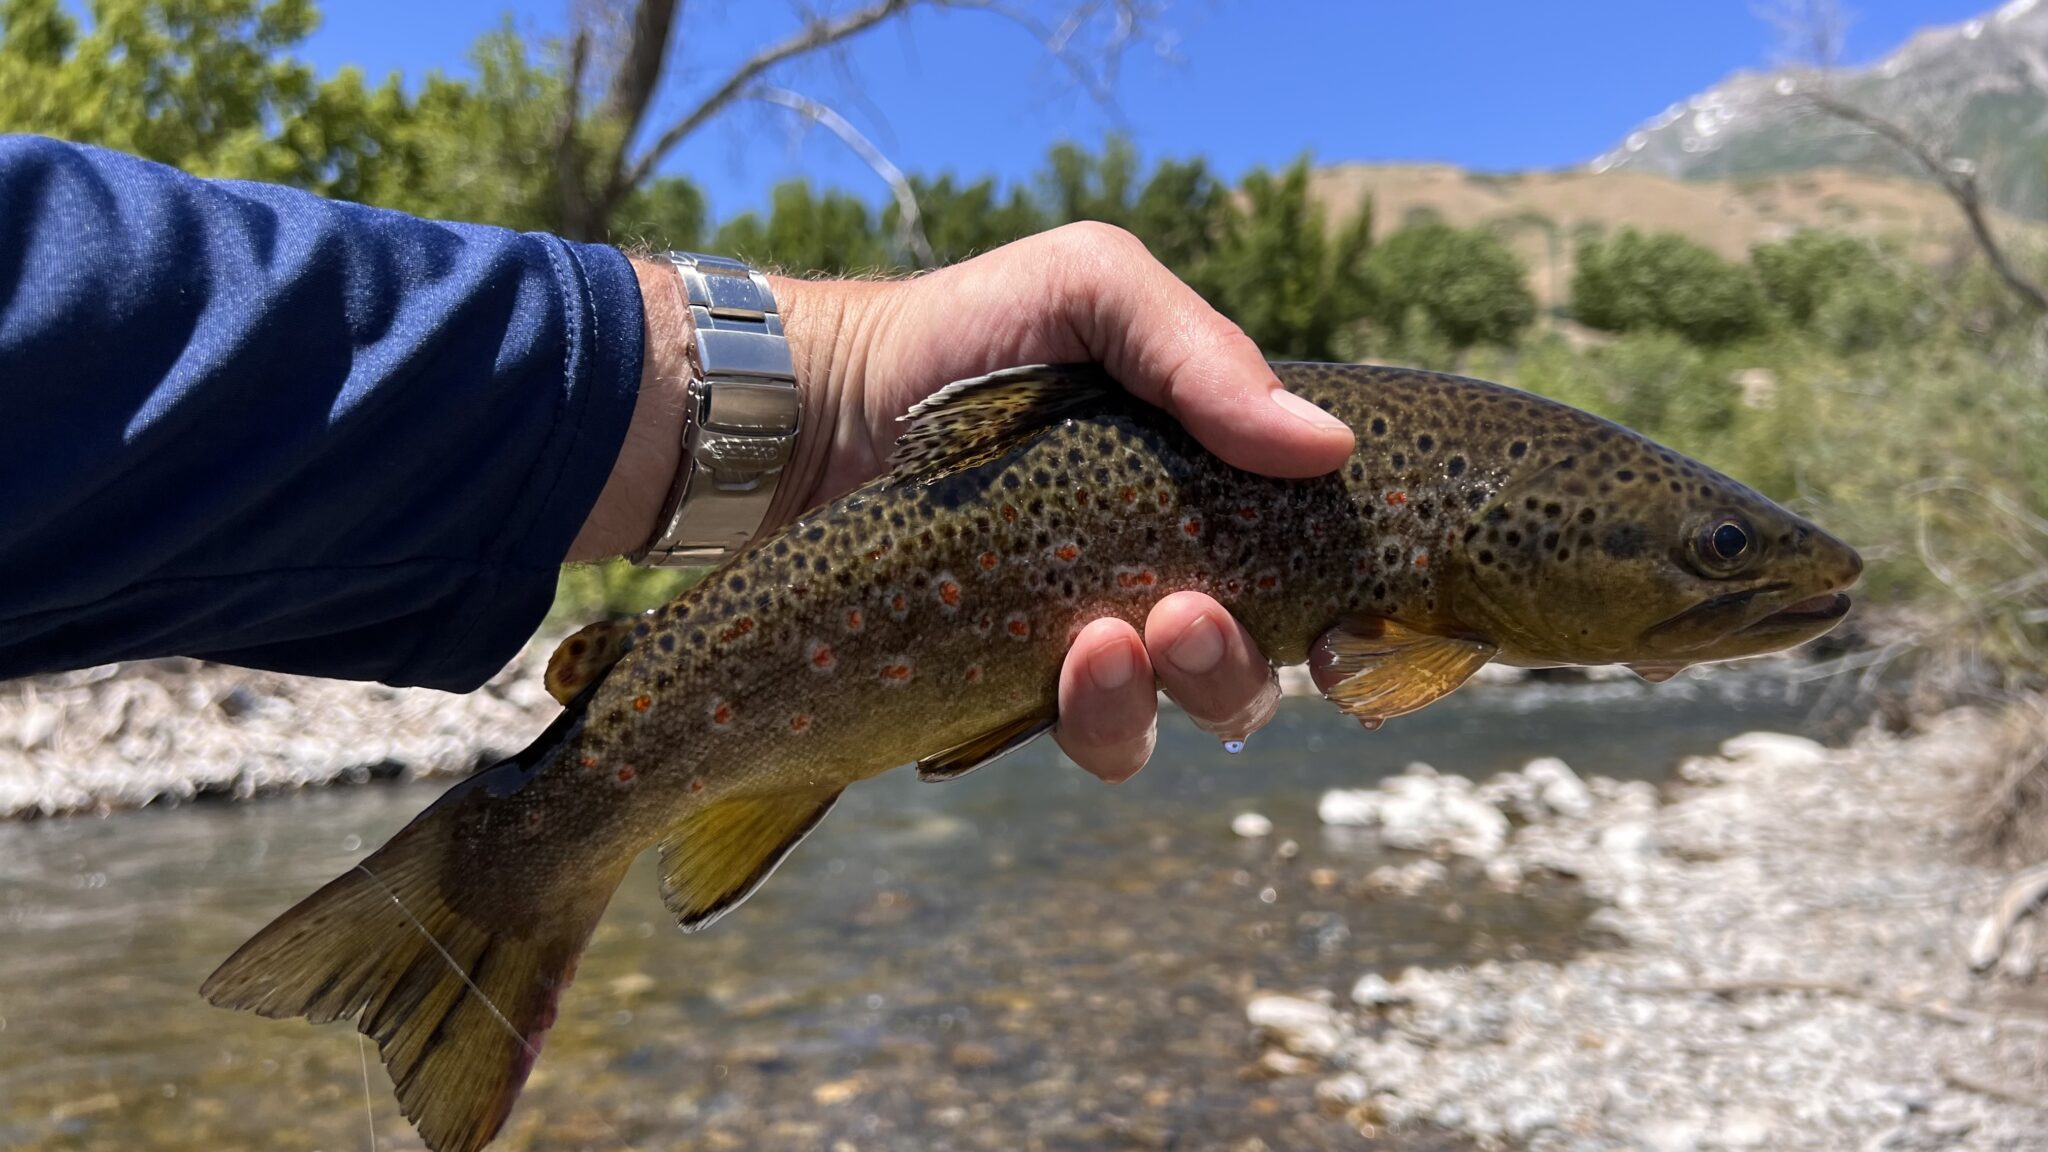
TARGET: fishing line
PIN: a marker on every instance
(532, 1053)
(369, 1104)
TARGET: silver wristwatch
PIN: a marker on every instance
(741, 421)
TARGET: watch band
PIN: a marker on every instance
(741, 422)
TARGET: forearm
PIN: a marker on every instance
(242, 422)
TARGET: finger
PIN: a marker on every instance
(1108, 705)
(1211, 666)
(1168, 346)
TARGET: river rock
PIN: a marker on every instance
(1303, 1027)
(1560, 788)
(1251, 825)
(1373, 990)
(1422, 812)
(1774, 750)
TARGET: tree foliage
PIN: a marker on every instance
(1464, 284)
(1665, 282)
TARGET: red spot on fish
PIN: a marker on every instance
(899, 605)
(1422, 559)
(1397, 497)
(721, 714)
(642, 703)
(897, 673)
(988, 561)
(1233, 586)
(974, 673)
(854, 620)
(533, 818)
(696, 783)
(1192, 525)
(1248, 514)
(819, 656)
(1128, 494)
(1067, 553)
(1267, 581)
(985, 623)
(801, 722)
(1081, 497)
(588, 762)
(1135, 579)
(740, 627)
(625, 774)
(1018, 625)
(1009, 514)
(948, 591)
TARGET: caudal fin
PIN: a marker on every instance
(457, 1001)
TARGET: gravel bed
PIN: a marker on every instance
(1789, 965)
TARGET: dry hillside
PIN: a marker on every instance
(1541, 213)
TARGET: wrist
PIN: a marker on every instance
(829, 324)
(624, 517)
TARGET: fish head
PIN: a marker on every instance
(1610, 549)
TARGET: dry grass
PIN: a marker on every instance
(1728, 216)
(2013, 817)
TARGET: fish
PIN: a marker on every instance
(922, 618)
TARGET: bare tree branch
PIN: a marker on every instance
(910, 221)
(639, 70)
(815, 35)
(571, 197)
(1958, 178)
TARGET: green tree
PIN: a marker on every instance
(1664, 282)
(1276, 271)
(807, 232)
(204, 85)
(963, 221)
(1080, 185)
(1181, 216)
(1463, 284)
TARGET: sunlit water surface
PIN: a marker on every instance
(1021, 959)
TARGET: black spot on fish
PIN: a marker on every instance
(1625, 475)
(1456, 466)
(1518, 449)
(1624, 541)
(815, 533)
(1379, 426)
(667, 642)
(1425, 442)
(737, 583)
(1587, 515)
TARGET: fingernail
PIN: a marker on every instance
(1113, 667)
(1199, 649)
(1305, 412)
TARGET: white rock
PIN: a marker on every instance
(1251, 825)
(1353, 807)
(1303, 1027)
(1774, 750)
(1528, 1118)
(1630, 842)
(1372, 990)
(1504, 873)
(1344, 1090)
(1559, 787)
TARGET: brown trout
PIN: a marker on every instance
(923, 618)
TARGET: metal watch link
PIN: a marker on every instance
(741, 422)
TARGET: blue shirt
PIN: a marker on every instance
(244, 423)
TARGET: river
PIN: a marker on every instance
(1021, 959)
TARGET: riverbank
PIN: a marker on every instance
(1787, 963)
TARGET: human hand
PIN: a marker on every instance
(866, 351)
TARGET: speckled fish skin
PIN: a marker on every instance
(934, 606)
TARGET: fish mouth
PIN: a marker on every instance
(1825, 608)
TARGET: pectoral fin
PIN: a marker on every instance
(584, 658)
(1391, 669)
(718, 855)
(992, 745)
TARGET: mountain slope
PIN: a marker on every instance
(1980, 88)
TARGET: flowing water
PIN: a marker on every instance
(1020, 959)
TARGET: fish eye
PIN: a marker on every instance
(1730, 540)
(1725, 545)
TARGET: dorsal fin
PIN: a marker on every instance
(969, 419)
(585, 656)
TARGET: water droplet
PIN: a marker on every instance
(1233, 746)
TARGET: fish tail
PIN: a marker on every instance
(455, 984)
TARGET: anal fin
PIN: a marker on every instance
(1391, 669)
(718, 855)
(990, 746)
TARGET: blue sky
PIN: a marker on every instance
(1489, 84)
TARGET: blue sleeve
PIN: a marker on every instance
(244, 423)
